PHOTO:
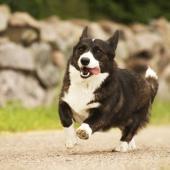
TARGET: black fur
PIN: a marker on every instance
(125, 96)
(65, 114)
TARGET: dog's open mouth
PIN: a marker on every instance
(86, 72)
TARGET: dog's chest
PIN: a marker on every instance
(80, 95)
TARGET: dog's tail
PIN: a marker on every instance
(152, 79)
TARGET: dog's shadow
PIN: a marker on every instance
(90, 152)
(99, 152)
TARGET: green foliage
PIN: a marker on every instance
(45, 8)
(129, 10)
(119, 10)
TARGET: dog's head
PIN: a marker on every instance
(94, 56)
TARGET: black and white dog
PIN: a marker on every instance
(99, 95)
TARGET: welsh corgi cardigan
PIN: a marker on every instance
(99, 95)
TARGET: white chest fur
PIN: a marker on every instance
(81, 92)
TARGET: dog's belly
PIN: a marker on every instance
(78, 99)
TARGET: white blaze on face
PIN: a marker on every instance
(93, 62)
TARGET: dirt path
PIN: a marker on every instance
(46, 151)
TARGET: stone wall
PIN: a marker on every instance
(33, 53)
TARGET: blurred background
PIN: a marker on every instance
(37, 37)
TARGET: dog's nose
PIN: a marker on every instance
(85, 61)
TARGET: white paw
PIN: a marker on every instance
(84, 131)
(122, 147)
(70, 143)
(132, 145)
(125, 146)
(70, 137)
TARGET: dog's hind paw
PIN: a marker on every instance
(122, 147)
(125, 146)
(132, 145)
(84, 131)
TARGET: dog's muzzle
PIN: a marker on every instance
(88, 66)
(86, 72)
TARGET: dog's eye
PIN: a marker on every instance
(98, 50)
(82, 49)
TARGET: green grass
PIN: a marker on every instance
(14, 117)
(160, 113)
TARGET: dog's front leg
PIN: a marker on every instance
(65, 114)
(89, 126)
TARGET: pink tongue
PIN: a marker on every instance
(94, 71)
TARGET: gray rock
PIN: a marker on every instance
(80, 22)
(162, 25)
(139, 28)
(110, 27)
(21, 19)
(59, 59)
(4, 40)
(22, 35)
(122, 51)
(29, 36)
(61, 34)
(4, 17)
(15, 86)
(49, 34)
(96, 31)
(51, 96)
(164, 84)
(147, 40)
(16, 57)
(46, 70)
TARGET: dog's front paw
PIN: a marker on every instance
(70, 137)
(70, 143)
(84, 131)
(82, 134)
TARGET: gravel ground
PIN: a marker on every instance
(45, 151)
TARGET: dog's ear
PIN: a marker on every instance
(84, 33)
(113, 41)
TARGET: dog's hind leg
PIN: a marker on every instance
(65, 114)
(132, 144)
(124, 146)
(127, 142)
